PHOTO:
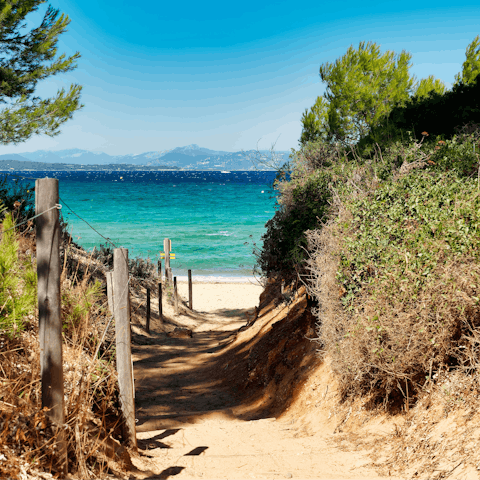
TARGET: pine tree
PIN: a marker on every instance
(471, 65)
(315, 122)
(430, 84)
(25, 59)
(362, 87)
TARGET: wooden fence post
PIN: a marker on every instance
(147, 325)
(159, 269)
(175, 295)
(123, 338)
(49, 309)
(190, 302)
(109, 277)
(167, 247)
(160, 306)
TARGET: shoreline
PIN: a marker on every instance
(205, 279)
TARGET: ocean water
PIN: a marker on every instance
(212, 218)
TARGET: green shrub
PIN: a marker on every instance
(459, 154)
(104, 254)
(18, 283)
(441, 115)
(407, 284)
(303, 204)
(138, 267)
(284, 242)
(12, 191)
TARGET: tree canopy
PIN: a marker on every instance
(315, 122)
(25, 59)
(364, 85)
(428, 85)
(471, 65)
(361, 87)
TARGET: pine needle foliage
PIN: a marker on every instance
(362, 86)
(25, 59)
(471, 65)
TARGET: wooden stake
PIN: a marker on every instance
(175, 295)
(123, 342)
(147, 326)
(49, 309)
(160, 306)
(190, 289)
(109, 277)
(167, 246)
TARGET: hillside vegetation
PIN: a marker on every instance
(388, 247)
(384, 232)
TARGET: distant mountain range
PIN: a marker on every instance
(191, 157)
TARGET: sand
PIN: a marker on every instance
(192, 421)
(218, 297)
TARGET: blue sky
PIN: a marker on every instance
(229, 76)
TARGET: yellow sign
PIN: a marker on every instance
(172, 255)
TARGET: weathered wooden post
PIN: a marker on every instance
(147, 325)
(190, 289)
(175, 295)
(167, 247)
(109, 277)
(123, 338)
(160, 306)
(49, 309)
(159, 268)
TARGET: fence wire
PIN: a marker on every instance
(107, 239)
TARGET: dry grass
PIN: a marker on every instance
(92, 416)
(438, 438)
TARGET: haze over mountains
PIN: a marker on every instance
(191, 157)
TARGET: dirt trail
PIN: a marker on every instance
(194, 420)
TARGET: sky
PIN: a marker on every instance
(228, 76)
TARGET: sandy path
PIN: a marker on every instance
(191, 422)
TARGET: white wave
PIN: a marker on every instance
(222, 233)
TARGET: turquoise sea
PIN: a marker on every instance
(212, 218)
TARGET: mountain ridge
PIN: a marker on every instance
(190, 157)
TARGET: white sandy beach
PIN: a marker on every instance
(213, 296)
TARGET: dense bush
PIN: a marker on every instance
(396, 273)
(104, 254)
(284, 241)
(17, 197)
(441, 115)
(138, 267)
(303, 205)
